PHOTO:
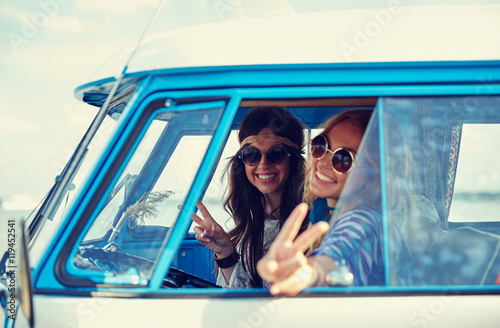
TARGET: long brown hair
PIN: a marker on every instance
(245, 203)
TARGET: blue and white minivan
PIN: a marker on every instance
(112, 243)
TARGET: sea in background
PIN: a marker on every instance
(477, 207)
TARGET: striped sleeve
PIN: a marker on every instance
(356, 237)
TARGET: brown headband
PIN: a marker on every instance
(266, 137)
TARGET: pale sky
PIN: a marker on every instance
(47, 49)
(50, 47)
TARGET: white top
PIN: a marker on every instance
(386, 34)
(240, 278)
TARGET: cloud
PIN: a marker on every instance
(39, 117)
(73, 60)
(13, 13)
(64, 25)
(14, 125)
(115, 6)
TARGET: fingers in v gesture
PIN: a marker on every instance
(211, 234)
(286, 254)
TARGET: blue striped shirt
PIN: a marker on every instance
(357, 238)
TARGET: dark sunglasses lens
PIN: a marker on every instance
(342, 160)
(276, 155)
(318, 146)
(250, 156)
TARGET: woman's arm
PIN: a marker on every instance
(356, 239)
(238, 278)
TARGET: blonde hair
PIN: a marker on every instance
(359, 117)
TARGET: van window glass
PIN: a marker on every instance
(441, 181)
(477, 186)
(132, 225)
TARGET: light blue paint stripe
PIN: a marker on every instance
(352, 91)
(300, 74)
(341, 291)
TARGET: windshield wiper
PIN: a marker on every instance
(35, 225)
(118, 96)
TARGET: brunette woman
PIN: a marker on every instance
(266, 182)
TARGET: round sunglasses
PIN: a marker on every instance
(342, 158)
(251, 156)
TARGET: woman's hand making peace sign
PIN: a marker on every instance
(211, 234)
(285, 265)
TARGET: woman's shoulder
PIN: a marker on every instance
(363, 214)
(365, 211)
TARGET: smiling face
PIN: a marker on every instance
(268, 178)
(325, 182)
